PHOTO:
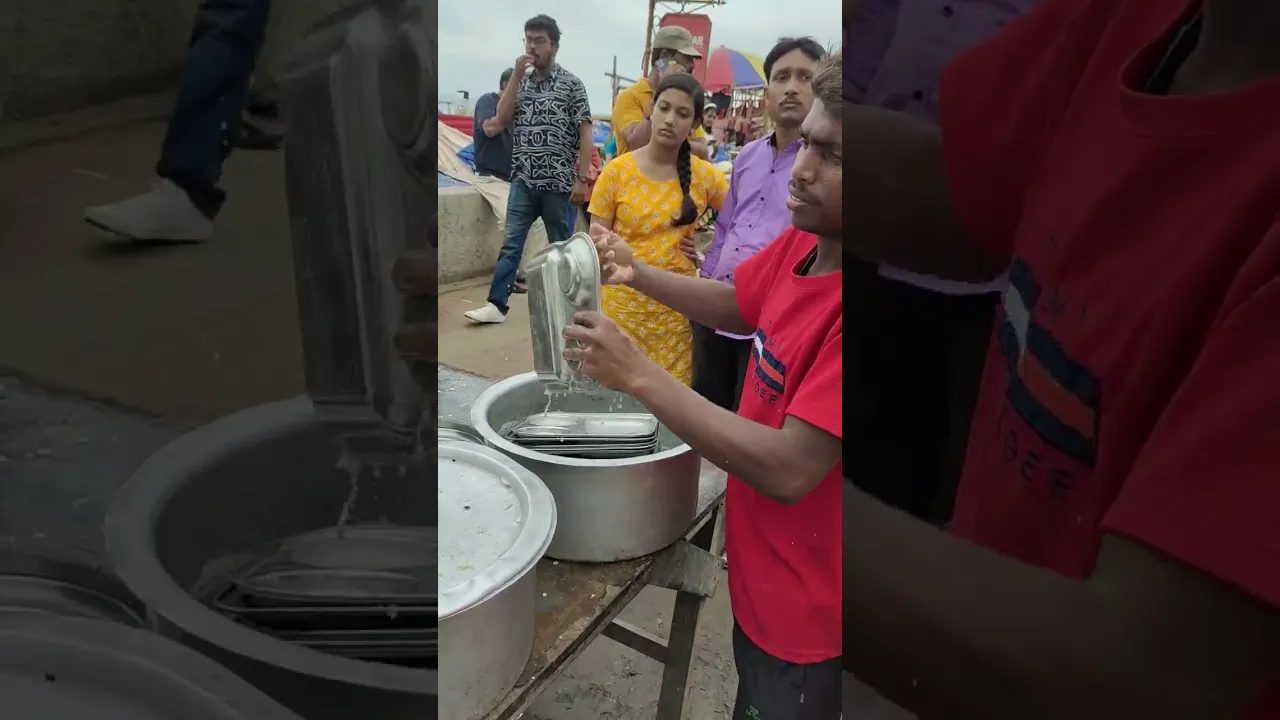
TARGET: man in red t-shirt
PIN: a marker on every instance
(782, 449)
(1115, 550)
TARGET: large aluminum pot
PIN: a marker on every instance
(609, 510)
(496, 521)
(230, 490)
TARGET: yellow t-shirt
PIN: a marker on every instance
(642, 211)
(632, 106)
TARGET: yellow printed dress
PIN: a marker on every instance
(642, 211)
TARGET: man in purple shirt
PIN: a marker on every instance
(917, 370)
(755, 211)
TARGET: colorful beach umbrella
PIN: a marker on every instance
(728, 69)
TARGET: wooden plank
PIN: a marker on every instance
(680, 647)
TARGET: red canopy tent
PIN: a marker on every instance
(461, 123)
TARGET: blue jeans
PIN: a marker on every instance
(524, 205)
(211, 97)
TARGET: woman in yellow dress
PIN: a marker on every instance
(652, 197)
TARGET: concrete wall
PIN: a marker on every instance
(61, 55)
(469, 235)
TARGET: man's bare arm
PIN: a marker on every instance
(506, 105)
(636, 135)
(700, 148)
(900, 196)
(951, 630)
(782, 464)
(706, 302)
(585, 145)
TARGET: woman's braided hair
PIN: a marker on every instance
(688, 85)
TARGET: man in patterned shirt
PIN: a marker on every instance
(550, 155)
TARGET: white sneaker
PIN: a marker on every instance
(487, 315)
(165, 213)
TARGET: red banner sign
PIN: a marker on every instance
(699, 26)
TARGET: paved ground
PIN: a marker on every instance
(61, 461)
(186, 333)
(492, 351)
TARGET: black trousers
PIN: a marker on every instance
(773, 689)
(913, 365)
(719, 366)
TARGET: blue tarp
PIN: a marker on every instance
(600, 131)
(468, 155)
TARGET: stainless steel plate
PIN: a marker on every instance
(455, 430)
(578, 441)
(599, 425)
(600, 453)
(554, 447)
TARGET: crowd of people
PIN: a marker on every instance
(1058, 500)
(738, 349)
(780, 437)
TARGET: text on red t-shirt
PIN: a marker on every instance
(1131, 385)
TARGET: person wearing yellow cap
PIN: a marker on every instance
(673, 52)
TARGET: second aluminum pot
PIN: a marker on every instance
(609, 510)
(496, 521)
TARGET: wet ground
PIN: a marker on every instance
(62, 459)
(185, 333)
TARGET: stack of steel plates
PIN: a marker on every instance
(367, 593)
(595, 436)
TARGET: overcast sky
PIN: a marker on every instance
(480, 38)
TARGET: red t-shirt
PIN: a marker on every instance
(1132, 384)
(784, 561)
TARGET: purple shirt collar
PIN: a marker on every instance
(894, 53)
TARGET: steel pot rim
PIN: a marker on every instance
(448, 428)
(129, 534)
(86, 654)
(536, 533)
(479, 421)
